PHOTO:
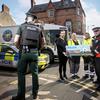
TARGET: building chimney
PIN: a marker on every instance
(5, 8)
(32, 3)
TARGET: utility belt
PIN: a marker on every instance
(28, 49)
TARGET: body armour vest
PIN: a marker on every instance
(30, 35)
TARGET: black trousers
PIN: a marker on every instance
(97, 68)
(62, 66)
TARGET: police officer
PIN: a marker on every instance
(29, 39)
(88, 66)
(62, 55)
(96, 51)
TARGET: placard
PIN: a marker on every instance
(78, 50)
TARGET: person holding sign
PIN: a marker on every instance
(74, 60)
(88, 59)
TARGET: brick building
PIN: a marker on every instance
(5, 17)
(64, 12)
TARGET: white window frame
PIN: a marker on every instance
(51, 13)
(78, 11)
(69, 25)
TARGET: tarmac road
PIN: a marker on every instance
(51, 88)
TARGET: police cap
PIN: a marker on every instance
(32, 15)
(95, 28)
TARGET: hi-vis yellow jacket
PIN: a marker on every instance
(87, 42)
(71, 43)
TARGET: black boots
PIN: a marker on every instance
(98, 88)
(85, 77)
(18, 98)
(63, 77)
(35, 95)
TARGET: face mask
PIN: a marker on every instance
(29, 19)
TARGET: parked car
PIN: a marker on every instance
(9, 57)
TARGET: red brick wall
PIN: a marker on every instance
(61, 16)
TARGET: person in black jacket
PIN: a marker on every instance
(62, 55)
(96, 51)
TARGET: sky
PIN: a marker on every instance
(18, 8)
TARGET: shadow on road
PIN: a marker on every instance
(7, 71)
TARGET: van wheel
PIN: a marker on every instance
(50, 54)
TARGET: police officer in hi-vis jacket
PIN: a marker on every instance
(88, 59)
(29, 40)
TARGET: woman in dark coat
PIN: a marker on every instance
(62, 55)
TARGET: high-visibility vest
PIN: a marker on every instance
(71, 43)
(87, 41)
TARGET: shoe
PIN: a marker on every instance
(98, 88)
(92, 79)
(96, 82)
(92, 76)
(61, 78)
(35, 95)
(73, 76)
(18, 98)
(65, 77)
(85, 77)
(76, 77)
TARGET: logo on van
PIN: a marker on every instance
(7, 35)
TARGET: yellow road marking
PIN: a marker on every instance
(84, 86)
(28, 95)
(44, 92)
(14, 82)
(93, 98)
(47, 80)
(48, 75)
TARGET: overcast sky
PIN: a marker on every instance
(18, 8)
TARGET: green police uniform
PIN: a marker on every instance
(28, 57)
